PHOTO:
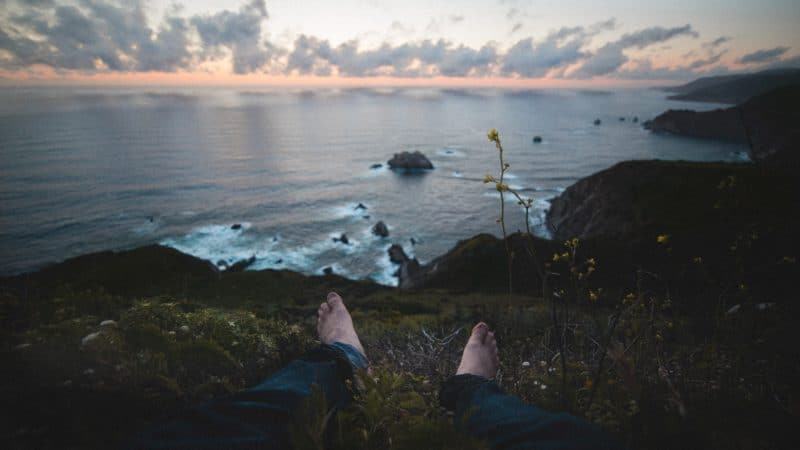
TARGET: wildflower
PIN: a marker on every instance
(663, 239)
(526, 364)
(488, 179)
(501, 187)
(556, 257)
(589, 270)
(593, 296)
(698, 260)
(591, 261)
(544, 386)
(493, 135)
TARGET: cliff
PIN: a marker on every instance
(768, 123)
(734, 89)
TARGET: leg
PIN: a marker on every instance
(504, 420)
(259, 417)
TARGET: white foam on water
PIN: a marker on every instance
(215, 242)
(384, 273)
(349, 211)
(458, 174)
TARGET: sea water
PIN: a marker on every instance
(90, 169)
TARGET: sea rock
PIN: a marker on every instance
(537, 139)
(597, 121)
(236, 226)
(397, 255)
(360, 206)
(380, 229)
(376, 166)
(343, 239)
(239, 266)
(410, 161)
(409, 267)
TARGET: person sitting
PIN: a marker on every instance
(261, 416)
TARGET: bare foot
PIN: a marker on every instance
(334, 323)
(480, 354)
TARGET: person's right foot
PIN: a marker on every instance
(480, 354)
(334, 323)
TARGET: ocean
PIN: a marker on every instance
(91, 169)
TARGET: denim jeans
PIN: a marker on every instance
(260, 416)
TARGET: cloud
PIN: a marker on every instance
(559, 49)
(610, 57)
(763, 56)
(313, 56)
(95, 35)
(703, 62)
(717, 42)
(643, 69)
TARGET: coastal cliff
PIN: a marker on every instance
(769, 124)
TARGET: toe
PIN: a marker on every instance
(479, 333)
(334, 299)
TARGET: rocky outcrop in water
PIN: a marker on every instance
(410, 161)
(380, 229)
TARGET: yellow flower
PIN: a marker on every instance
(590, 270)
(501, 187)
(591, 261)
(556, 257)
(663, 239)
(593, 296)
(488, 179)
(493, 135)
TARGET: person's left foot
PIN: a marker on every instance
(334, 323)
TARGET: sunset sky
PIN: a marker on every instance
(413, 42)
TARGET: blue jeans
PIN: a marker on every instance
(260, 416)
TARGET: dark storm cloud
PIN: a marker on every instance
(610, 57)
(764, 55)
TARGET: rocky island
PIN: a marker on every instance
(410, 161)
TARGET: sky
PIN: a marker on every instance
(379, 42)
